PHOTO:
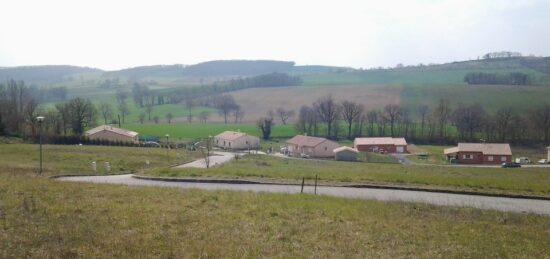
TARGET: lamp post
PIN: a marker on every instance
(40, 119)
(167, 144)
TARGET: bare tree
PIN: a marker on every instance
(82, 114)
(503, 120)
(307, 121)
(141, 118)
(121, 95)
(285, 115)
(351, 112)
(423, 111)
(372, 120)
(225, 105)
(328, 111)
(106, 110)
(265, 124)
(156, 119)
(469, 120)
(169, 117)
(149, 109)
(392, 113)
(239, 114)
(123, 109)
(189, 104)
(203, 116)
(540, 119)
(206, 149)
(441, 114)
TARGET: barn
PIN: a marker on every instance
(236, 141)
(382, 145)
(110, 133)
(345, 154)
(480, 153)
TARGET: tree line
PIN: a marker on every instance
(514, 78)
(438, 124)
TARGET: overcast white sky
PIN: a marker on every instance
(358, 33)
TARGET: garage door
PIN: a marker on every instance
(400, 149)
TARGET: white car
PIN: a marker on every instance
(543, 161)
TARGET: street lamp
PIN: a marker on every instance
(40, 119)
(167, 144)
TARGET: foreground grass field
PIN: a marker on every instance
(24, 158)
(44, 218)
(490, 180)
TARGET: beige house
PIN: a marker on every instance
(548, 153)
(110, 133)
(236, 140)
(381, 144)
(311, 146)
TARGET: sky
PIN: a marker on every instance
(116, 34)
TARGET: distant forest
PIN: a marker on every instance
(515, 78)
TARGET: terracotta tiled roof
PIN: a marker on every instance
(485, 148)
(307, 141)
(344, 148)
(380, 141)
(109, 128)
(230, 135)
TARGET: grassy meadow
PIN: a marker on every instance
(44, 218)
(490, 180)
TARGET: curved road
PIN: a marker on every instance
(445, 199)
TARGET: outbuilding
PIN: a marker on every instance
(345, 154)
(480, 153)
(382, 145)
(235, 140)
(110, 133)
(311, 146)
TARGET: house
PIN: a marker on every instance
(548, 153)
(345, 154)
(110, 133)
(383, 145)
(480, 153)
(311, 146)
(236, 141)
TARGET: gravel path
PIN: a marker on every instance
(217, 158)
(446, 199)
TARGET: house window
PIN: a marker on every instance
(490, 158)
(229, 144)
(503, 159)
(325, 148)
(224, 143)
(468, 156)
(217, 141)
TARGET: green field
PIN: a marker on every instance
(490, 180)
(191, 131)
(44, 218)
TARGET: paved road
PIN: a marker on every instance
(481, 202)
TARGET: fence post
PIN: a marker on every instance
(315, 191)
(303, 180)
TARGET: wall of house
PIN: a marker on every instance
(325, 149)
(111, 136)
(548, 153)
(240, 143)
(497, 159)
(477, 158)
(377, 148)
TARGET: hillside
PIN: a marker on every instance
(43, 74)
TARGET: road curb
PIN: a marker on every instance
(76, 175)
(366, 186)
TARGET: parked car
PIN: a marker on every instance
(543, 161)
(511, 165)
(523, 160)
(303, 155)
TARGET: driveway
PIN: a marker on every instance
(217, 158)
(444, 199)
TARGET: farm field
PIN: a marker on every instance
(192, 131)
(490, 180)
(45, 218)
